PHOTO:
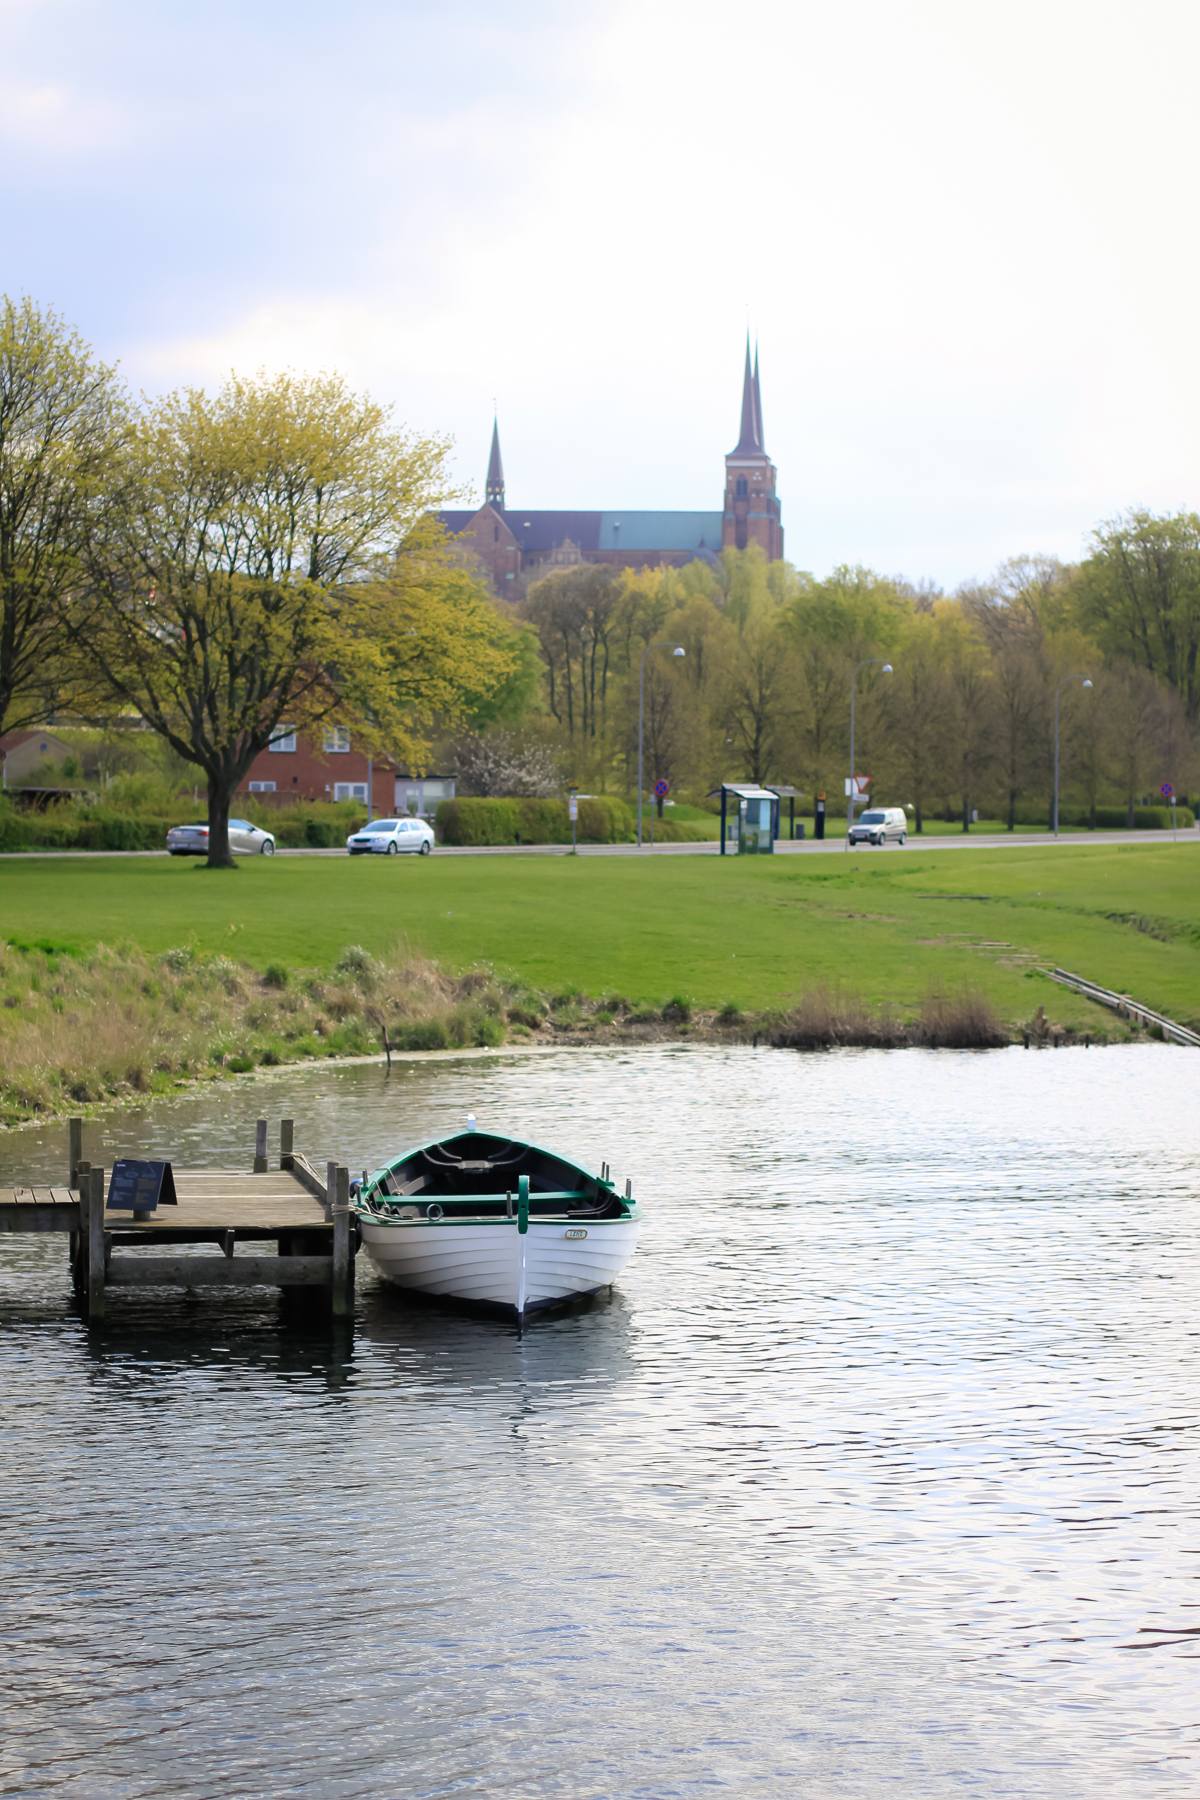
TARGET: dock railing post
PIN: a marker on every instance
(342, 1270)
(285, 1144)
(260, 1147)
(79, 1239)
(95, 1269)
(74, 1148)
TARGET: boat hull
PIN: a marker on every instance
(491, 1263)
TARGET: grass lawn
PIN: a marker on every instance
(887, 925)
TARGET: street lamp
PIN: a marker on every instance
(1062, 684)
(886, 670)
(663, 644)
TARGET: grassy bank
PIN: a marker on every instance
(880, 934)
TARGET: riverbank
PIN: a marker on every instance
(84, 1030)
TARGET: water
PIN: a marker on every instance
(877, 1475)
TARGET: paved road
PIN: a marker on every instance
(809, 847)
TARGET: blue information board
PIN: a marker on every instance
(141, 1186)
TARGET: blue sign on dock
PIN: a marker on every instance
(141, 1186)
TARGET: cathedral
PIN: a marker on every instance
(517, 545)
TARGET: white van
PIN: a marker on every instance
(879, 825)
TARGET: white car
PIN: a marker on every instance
(389, 837)
(244, 840)
(878, 826)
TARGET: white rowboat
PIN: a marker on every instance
(496, 1222)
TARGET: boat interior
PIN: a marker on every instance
(474, 1175)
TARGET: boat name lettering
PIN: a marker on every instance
(575, 1233)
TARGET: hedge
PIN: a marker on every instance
(602, 820)
(1108, 818)
(62, 828)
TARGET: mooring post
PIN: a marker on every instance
(79, 1239)
(95, 1270)
(286, 1157)
(260, 1147)
(74, 1148)
(341, 1272)
(330, 1188)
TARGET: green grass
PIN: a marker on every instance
(753, 933)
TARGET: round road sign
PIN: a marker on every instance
(1166, 790)
(661, 789)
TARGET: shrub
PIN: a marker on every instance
(276, 975)
(478, 821)
(603, 819)
(543, 822)
(177, 959)
(677, 1010)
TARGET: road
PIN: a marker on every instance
(808, 847)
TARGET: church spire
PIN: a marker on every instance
(758, 420)
(750, 440)
(494, 493)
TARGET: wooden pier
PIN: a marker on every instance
(307, 1218)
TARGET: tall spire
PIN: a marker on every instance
(494, 493)
(762, 442)
(750, 440)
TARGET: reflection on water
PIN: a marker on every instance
(877, 1474)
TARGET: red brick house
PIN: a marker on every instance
(295, 767)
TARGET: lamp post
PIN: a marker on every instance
(865, 664)
(1058, 690)
(663, 644)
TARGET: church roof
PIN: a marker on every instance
(538, 532)
(495, 474)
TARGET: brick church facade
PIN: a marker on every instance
(517, 545)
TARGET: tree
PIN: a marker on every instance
(61, 413)
(972, 710)
(266, 556)
(501, 764)
(756, 701)
(572, 612)
(1132, 709)
(1139, 594)
(920, 707)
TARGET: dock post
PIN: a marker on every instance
(260, 1147)
(95, 1262)
(74, 1147)
(330, 1188)
(286, 1157)
(79, 1239)
(342, 1270)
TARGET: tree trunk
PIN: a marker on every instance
(220, 793)
(1092, 817)
(919, 818)
(1012, 809)
(1129, 815)
(966, 813)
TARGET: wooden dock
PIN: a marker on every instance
(307, 1218)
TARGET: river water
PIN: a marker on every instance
(877, 1475)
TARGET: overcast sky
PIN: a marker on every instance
(963, 232)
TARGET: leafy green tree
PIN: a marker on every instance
(1138, 594)
(920, 709)
(266, 556)
(61, 414)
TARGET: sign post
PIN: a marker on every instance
(141, 1187)
(573, 813)
(1168, 793)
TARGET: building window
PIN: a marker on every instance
(284, 738)
(350, 790)
(263, 787)
(742, 490)
(337, 739)
(495, 534)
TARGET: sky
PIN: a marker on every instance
(962, 233)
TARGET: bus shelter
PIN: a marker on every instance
(748, 819)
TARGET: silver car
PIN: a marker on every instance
(391, 837)
(244, 839)
(880, 825)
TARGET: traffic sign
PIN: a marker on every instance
(1166, 790)
(661, 789)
